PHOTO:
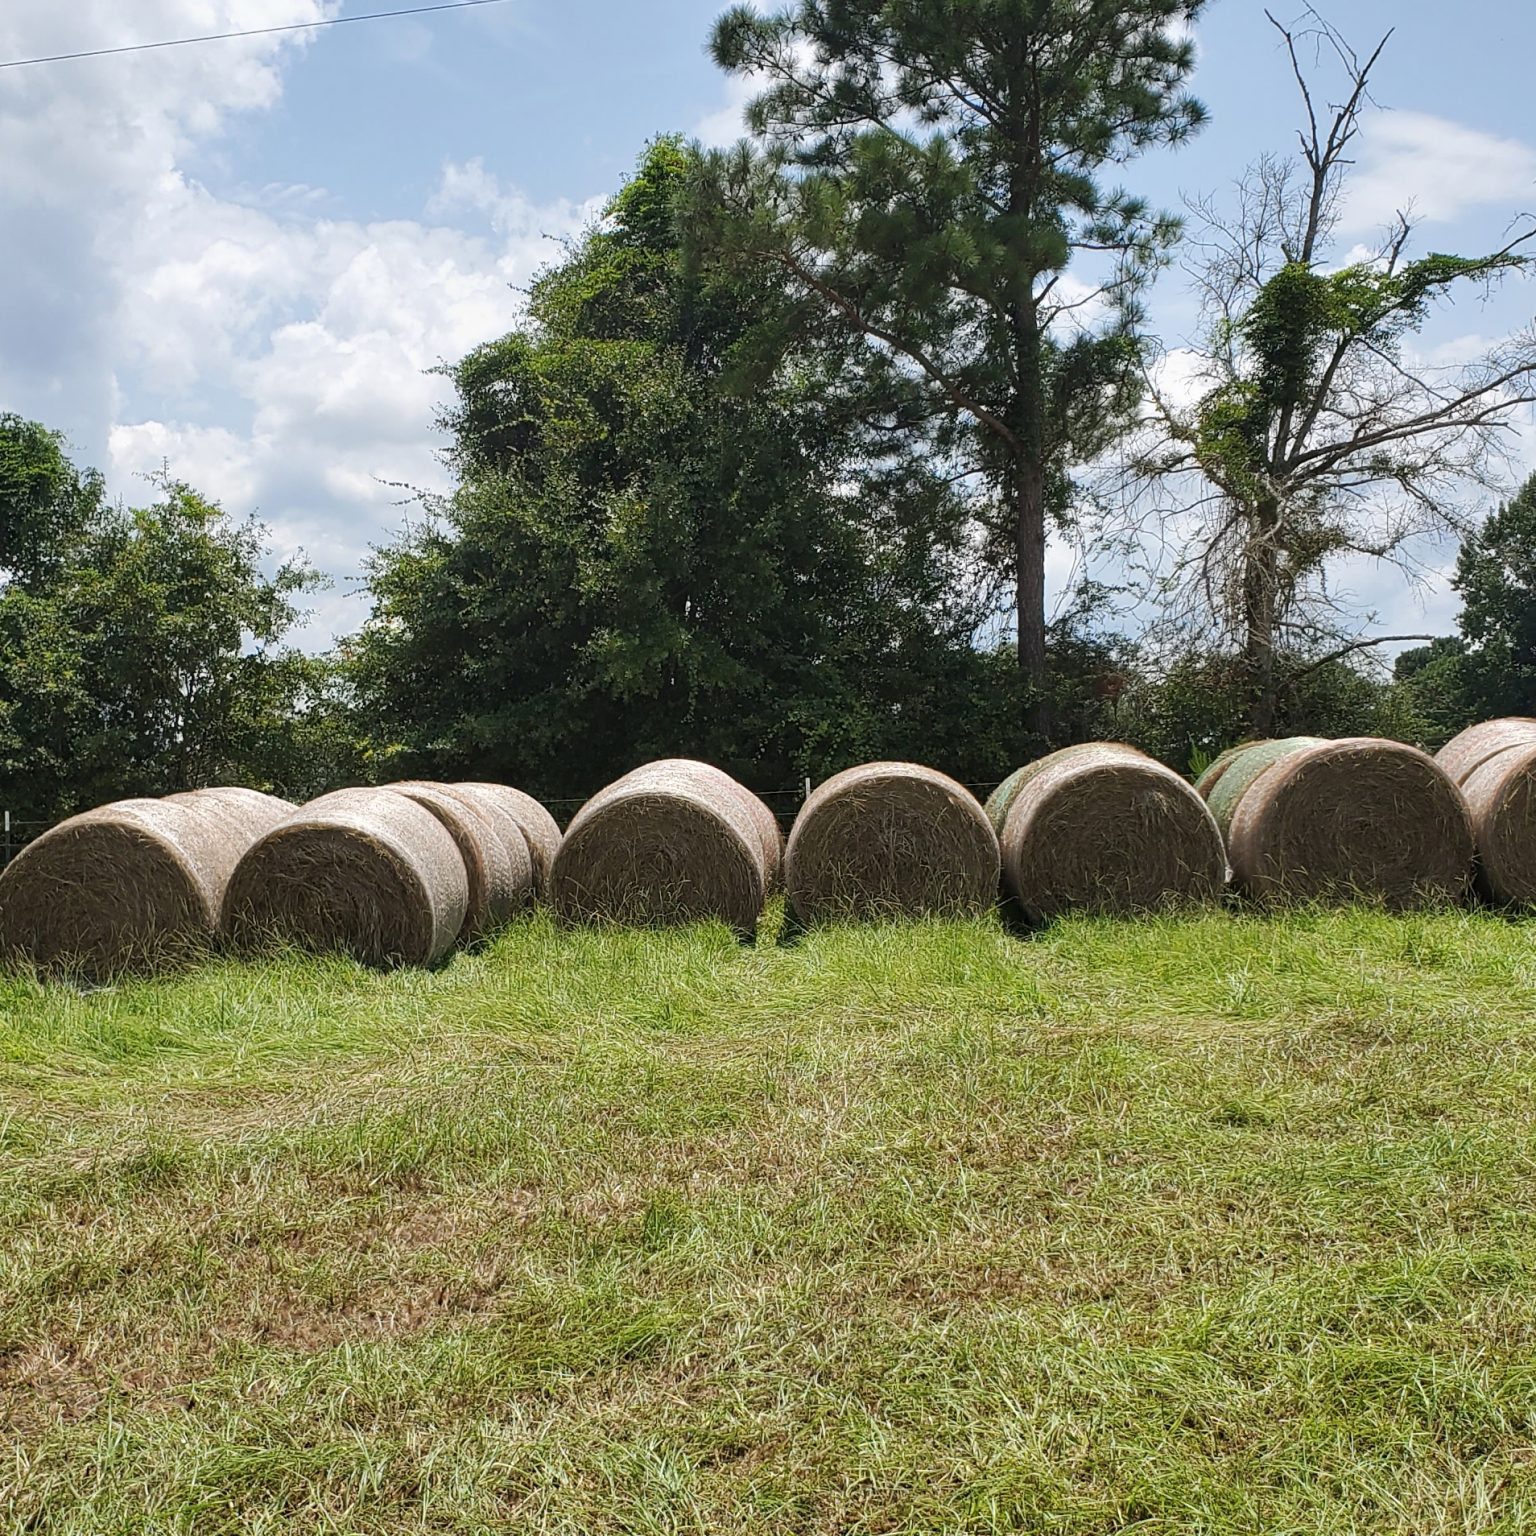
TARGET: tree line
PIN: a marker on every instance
(768, 472)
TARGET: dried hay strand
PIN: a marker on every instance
(133, 887)
(1000, 801)
(1463, 755)
(540, 830)
(890, 840)
(496, 858)
(1360, 818)
(363, 872)
(1106, 829)
(1501, 799)
(671, 842)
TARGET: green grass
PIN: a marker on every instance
(1216, 1224)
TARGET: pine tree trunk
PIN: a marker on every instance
(1028, 494)
(1260, 580)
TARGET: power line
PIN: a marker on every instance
(220, 37)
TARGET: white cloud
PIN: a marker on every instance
(1442, 169)
(273, 356)
(719, 130)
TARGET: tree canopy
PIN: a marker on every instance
(934, 177)
(664, 540)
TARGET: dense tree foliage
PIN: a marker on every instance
(141, 650)
(665, 542)
(1496, 577)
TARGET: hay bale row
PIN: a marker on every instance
(391, 876)
(398, 875)
(1361, 818)
(1495, 766)
(673, 841)
(1104, 828)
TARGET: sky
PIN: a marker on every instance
(244, 260)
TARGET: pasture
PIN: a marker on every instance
(1217, 1223)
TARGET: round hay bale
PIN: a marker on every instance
(766, 823)
(364, 872)
(1207, 781)
(1000, 801)
(1107, 829)
(890, 840)
(1358, 818)
(540, 830)
(667, 843)
(132, 887)
(1463, 755)
(1501, 799)
(1226, 789)
(496, 861)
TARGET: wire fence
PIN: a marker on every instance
(15, 834)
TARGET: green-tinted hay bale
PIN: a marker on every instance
(1212, 776)
(890, 840)
(1501, 799)
(672, 842)
(1104, 828)
(1463, 755)
(1000, 801)
(1244, 766)
(363, 872)
(1360, 819)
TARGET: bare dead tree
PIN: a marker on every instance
(1314, 434)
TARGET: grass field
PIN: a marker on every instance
(1217, 1224)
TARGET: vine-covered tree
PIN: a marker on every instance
(665, 541)
(933, 177)
(1316, 434)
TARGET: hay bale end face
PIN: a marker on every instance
(363, 872)
(890, 840)
(1107, 829)
(1360, 818)
(672, 842)
(763, 820)
(1463, 755)
(540, 829)
(130, 888)
(496, 858)
(1501, 800)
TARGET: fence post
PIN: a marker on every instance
(7, 839)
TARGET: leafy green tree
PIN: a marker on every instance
(1317, 436)
(1434, 685)
(141, 651)
(930, 176)
(1496, 577)
(45, 501)
(665, 539)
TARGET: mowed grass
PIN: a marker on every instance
(1212, 1224)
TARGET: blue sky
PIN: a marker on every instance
(241, 259)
